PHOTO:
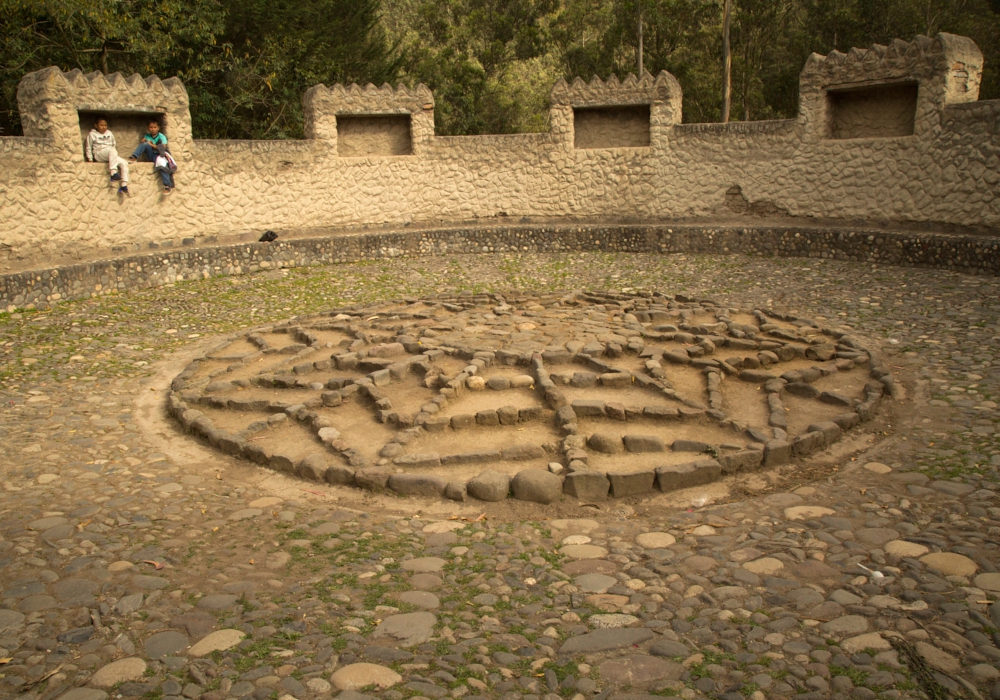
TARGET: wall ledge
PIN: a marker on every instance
(41, 288)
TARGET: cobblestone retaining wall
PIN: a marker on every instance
(966, 253)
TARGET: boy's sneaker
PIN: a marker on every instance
(124, 190)
(116, 177)
(166, 191)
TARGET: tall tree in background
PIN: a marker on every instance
(727, 61)
(474, 55)
(760, 28)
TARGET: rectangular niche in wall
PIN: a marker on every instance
(877, 111)
(611, 127)
(128, 127)
(374, 135)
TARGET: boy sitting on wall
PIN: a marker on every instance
(101, 148)
(153, 148)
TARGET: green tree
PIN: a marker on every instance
(167, 37)
(482, 59)
(245, 64)
(271, 51)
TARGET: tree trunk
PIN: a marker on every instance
(727, 63)
(639, 51)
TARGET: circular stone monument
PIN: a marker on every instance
(615, 395)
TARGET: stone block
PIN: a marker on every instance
(836, 399)
(807, 443)
(615, 411)
(565, 415)
(488, 417)
(455, 491)
(471, 457)
(802, 389)
(682, 476)
(339, 474)
(419, 459)
(644, 443)
(282, 463)
(632, 484)
(755, 375)
(536, 485)
(587, 407)
(462, 421)
(846, 421)
(521, 453)
(372, 478)
(616, 380)
(435, 424)
(830, 430)
(380, 377)
(587, 485)
(312, 467)
(664, 413)
(608, 443)
(777, 452)
(742, 461)
(489, 486)
(256, 453)
(688, 446)
(417, 484)
(507, 415)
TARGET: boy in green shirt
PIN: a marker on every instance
(154, 144)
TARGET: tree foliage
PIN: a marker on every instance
(245, 63)
(491, 63)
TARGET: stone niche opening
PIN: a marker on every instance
(611, 127)
(374, 135)
(128, 127)
(875, 111)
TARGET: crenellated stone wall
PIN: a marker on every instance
(371, 158)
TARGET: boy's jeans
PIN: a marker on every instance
(115, 163)
(146, 152)
(166, 176)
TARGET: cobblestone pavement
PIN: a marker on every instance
(137, 563)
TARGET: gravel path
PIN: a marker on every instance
(136, 563)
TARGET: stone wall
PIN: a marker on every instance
(40, 289)
(55, 208)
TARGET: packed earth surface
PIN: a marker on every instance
(140, 560)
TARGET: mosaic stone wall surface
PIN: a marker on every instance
(57, 208)
(589, 395)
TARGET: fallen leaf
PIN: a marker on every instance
(6, 660)
(251, 561)
(155, 564)
(80, 526)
